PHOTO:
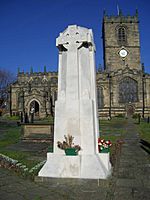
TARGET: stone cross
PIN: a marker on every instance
(70, 42)
(76, 109)
(76, 87)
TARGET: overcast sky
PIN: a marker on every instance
(28, 29)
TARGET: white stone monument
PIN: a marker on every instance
(76, 109)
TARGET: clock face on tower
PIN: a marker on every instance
(123, 53)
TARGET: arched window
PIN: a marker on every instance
(128, 90)
(100, 97)
(122, 35)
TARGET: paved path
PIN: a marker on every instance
(15, 188)
(130, 180)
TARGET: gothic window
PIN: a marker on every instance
(100, 97)
(122, 35)
(128, 91)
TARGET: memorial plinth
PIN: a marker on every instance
(76, 109)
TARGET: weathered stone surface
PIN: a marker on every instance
(37, 132)
(76, 109)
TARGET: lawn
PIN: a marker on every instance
(113, 129)
(144, 130)
(10, 134)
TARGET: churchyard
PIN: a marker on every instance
(31, 154)
(129, 179)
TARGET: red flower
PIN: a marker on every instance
(104, 143)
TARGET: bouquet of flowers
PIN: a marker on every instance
(68, 144)
(104, 145)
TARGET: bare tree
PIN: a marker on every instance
(6, 78)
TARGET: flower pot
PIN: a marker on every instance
(71, 152)
(105, 150)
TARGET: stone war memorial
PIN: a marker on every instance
(76, 110)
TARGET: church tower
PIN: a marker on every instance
(121, 44)
(123, 86)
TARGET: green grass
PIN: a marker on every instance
(144, 131)
(48, 119)
(113, 129)
(12, 118)
(50, 149)
(10, 135)
(22, 157)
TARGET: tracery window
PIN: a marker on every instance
(122, 37)
(128, 90)
(100, 97)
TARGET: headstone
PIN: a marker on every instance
(76, 109)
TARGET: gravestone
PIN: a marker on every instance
(76, 109)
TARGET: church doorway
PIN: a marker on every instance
(34, 106)
(130, 110)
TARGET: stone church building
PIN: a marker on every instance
(123, 87)
(36, 90)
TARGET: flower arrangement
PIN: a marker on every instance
(68, 146)
(104, 145)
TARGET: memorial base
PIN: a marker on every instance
(95, 166)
